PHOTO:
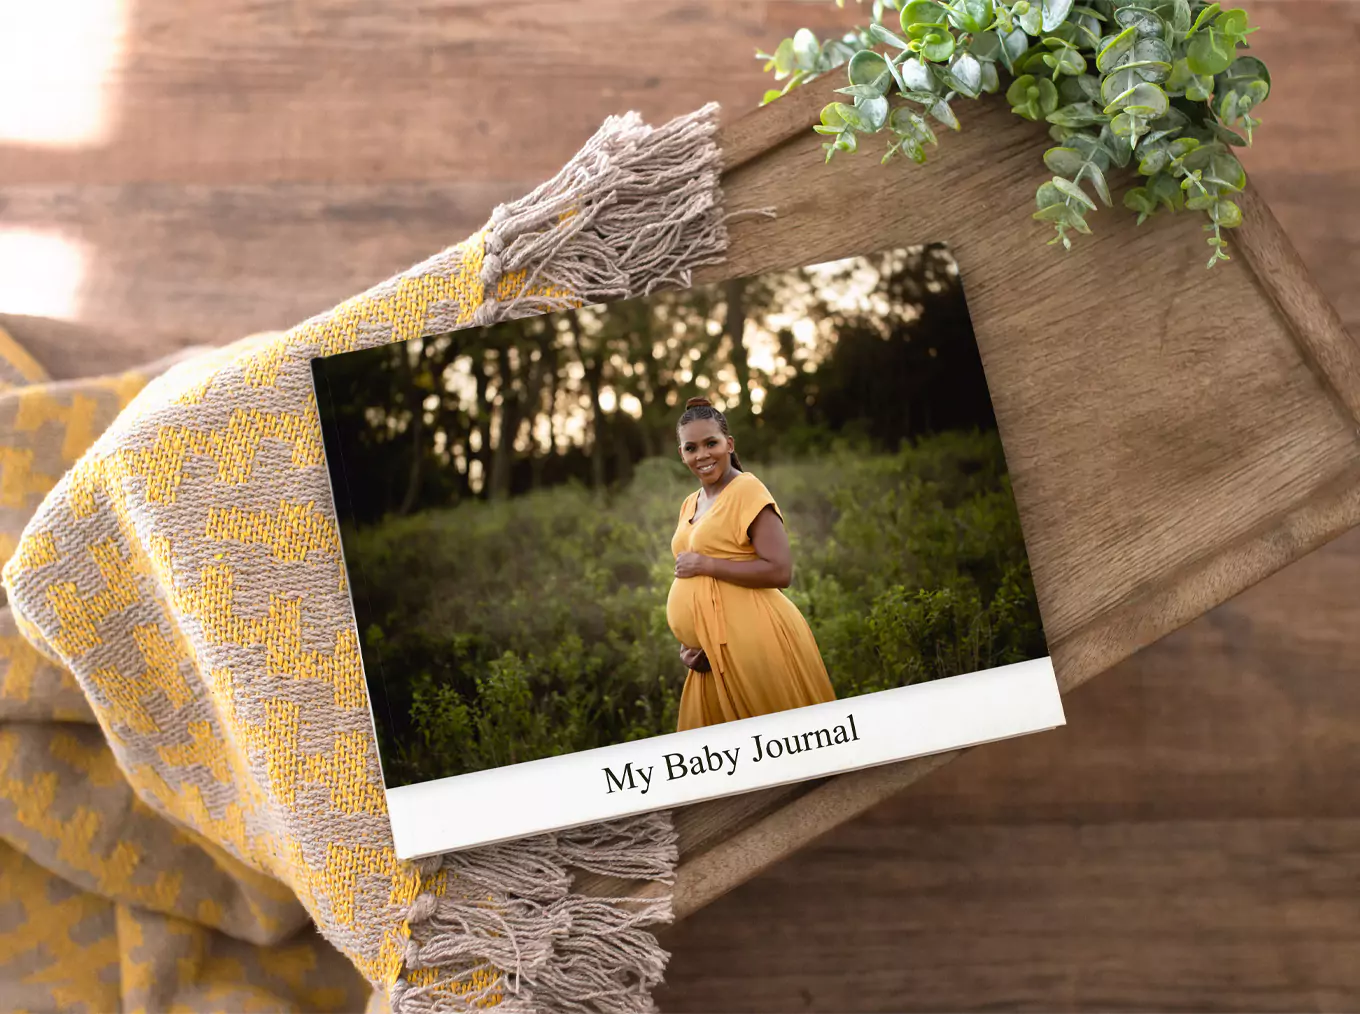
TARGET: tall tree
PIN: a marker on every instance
(592, 362)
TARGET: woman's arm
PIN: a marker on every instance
(772, 569)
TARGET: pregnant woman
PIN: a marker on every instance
(747, 647)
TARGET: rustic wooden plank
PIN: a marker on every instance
(1183, 915)
(1320, 212)
(1315, 325)
(168, 265)
(366, 91)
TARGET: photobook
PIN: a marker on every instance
(637, 555)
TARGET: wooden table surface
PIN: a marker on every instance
(1190, 841)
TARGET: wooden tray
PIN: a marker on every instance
(1174, 434)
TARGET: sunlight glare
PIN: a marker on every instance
(41, 273)
(57, 59)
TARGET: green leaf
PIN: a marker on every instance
(916, 75)
(1066, 61)
(986, 46)
(770, 96)
(971, 15)
(1227, 214)
(921, 12)
(851, 116)
(1064, 161)
(831, 115)
(860, 91)
(1154, 161)
(1073, 191)
(942, 114)
(1014, 44)
(1136, 60)
(1093, 172)
(1054, 13)
(869, 69)
(806, 49)
(784, 59)
(1145, 99)
(1031, 97)
(1226, 135)
(1120, 154)
(873, 112)
(1181, 78)
(1165, 191)
(1113, 53)
(881, 34)
(1018, 92)
(1085, 29)
(1146, 22)
(991, 81)
(1244, 71)
(1031, 20)
(965, 74)
(904, 121)
(1180, 16)
(1048, 196)
(1205, 17)
(1232, 23)
(1225, 171)
(1140, 201)
(1210, 53)
(938, 46)
(1077, 115)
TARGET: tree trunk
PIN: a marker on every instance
(415, 404)
(482, 422)
(594, 369)
(503, 457)
(545, 394)
(734, 327)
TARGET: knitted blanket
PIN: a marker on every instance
(188, 774)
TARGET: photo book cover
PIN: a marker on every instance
(638, 555)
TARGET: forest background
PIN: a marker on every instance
(507, 497)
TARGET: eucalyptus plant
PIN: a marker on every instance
(1158, 84)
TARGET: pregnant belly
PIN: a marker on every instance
(682, 607)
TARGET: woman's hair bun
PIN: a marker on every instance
(698, 403)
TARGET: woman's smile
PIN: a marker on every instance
(707, 450)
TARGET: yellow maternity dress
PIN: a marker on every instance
(762, 652)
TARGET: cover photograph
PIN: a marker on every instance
(637, 555)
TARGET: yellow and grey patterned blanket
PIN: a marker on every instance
(192, 815)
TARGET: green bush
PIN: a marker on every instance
(505, 632)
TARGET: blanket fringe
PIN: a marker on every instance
(502, 920)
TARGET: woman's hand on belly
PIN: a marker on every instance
(691, 565)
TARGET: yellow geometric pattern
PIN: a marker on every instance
(186, 569)
(58, 944)
(85, 864)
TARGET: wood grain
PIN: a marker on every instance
(1191, 915)
(231, 92)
